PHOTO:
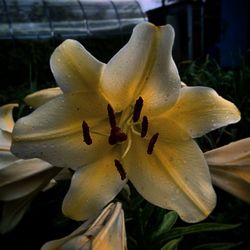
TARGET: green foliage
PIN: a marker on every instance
(172, 245)
(218, 246)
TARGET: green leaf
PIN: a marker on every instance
(217, 246)
(167, 223)
(197, 228)
(172, 245)
(146, 213)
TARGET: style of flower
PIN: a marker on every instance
(127, 119)
(20, 180)
(107, 231)
(230, 168)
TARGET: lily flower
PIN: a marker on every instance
(230, 168)
(40, 97)
(20, 180)
(107, 231)
(127, 119)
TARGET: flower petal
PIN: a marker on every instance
(40, 97)
(200, 110)
(231, 182)
(92, 187)
(53, 132)
(6, 118)
(23, 177)
(168, 129)
(113, 234)
(143, 67)
(6, 158)
(230, 168)
(5, 140)
(107, 232)
(175, 176)
(74, 68)
(235, 153)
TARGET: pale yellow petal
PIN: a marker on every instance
(230, 168)
(92, 187)
(235, 153)
(107, 232)
(200, 110)
(231, 182)
(6, 118)
(183, 84)
(144, 66)
(40, 97)
(175, 176)
(163, 85)
(168, 129)
(5, 140)
(53, 132)
(6, 158)
(74, 68)
(112, 235)
(23, 177)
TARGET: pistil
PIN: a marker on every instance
(111, 115)
(120, 169)
(116, 135)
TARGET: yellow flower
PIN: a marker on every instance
(106, 232)
(127, 119)
(20, 180)
(230, 168)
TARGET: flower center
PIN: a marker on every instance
(117, 134)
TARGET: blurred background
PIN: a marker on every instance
(31, 29)
(212, 48)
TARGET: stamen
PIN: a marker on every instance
(120, 169)
(137, 109)
(116, 135)
(111, 115)
(86, 135)
(152, 143)
(144, 126)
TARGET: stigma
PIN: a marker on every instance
(116, 136)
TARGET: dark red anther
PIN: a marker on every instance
(116, 135)
(152, 143)
(86, 135)
(111, 115)
(120, 169)
(144, 126)
(137, 109)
